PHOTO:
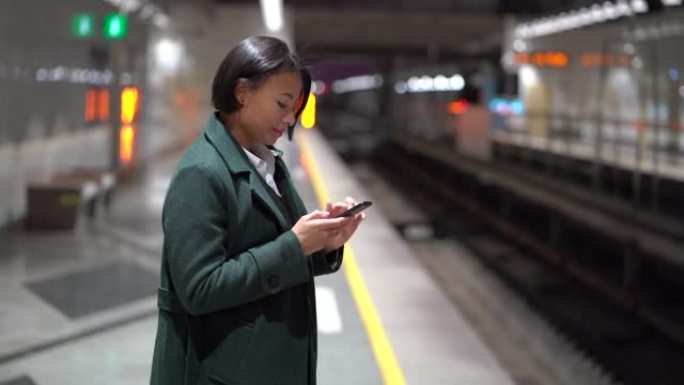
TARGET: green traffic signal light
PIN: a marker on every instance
(82, 25)
(115, 26)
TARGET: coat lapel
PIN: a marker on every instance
(290, 192)
(238, 164)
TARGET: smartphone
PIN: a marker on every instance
(357, 208)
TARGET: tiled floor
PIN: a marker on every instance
(82, 293)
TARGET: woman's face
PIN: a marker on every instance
(269, 109)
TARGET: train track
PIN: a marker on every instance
(557, 277)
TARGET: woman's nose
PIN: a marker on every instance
(290, 118)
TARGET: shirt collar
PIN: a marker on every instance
(261, 157)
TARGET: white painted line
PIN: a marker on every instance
(327, 313)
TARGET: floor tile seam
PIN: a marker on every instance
(75, 336)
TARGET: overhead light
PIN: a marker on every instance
(528, 76)
(357, 83)
(400, 87)
(426, 83)
(610, 10)
(168, 54)
(639, 6)
(130, 6)
(441, 83)
(160, 20)
(629, 49)
(42, 75)
(318, 87)
(519, 45)
(457, 82)
(144, 8)
(414, 84)
(597, 13)
(147, 11)
(272, 11)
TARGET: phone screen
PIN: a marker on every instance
(356, 209)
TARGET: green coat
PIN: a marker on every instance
(236, 299)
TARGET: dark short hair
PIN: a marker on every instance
(255, 59)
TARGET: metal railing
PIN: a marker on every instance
(639, 147)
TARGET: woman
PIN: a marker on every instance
(236, 300)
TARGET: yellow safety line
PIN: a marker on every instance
(382, 348)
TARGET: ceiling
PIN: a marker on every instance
(429, 30)
(498, 7)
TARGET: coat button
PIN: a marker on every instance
(273, 282)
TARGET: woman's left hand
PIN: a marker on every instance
(338, 238)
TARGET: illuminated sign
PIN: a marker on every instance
(503, 106)
(74, 75)
(308, 117)
(130, 101)
(458, 107)
(129, 104)
(126, 143)
(82, 25)
(97, 105)
(103, 104)
(561, 60)
(543, 59)
(604, 60)
(115, 26)
(90, 103)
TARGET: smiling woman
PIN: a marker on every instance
(236, 298)
(267, 111)
(246, 69)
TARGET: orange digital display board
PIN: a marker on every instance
(555, 59)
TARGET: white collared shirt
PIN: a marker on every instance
(264, 161)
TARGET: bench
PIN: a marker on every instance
(54, 204)
(105, 179)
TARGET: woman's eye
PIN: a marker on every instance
(282, 105)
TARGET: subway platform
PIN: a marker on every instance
(80, 307)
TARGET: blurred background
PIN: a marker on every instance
(544, 137)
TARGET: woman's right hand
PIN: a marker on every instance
(314, 229)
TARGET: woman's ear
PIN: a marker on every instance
(242, 91)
